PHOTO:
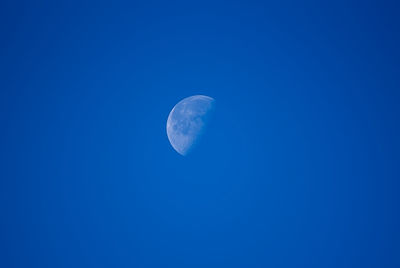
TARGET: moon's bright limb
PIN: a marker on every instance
(187, 120)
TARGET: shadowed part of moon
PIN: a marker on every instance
(187, 121)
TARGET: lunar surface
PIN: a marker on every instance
(187, 121)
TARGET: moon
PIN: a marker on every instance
(187, 121)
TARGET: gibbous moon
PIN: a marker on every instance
(187, 121)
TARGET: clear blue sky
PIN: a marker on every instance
(299, 168)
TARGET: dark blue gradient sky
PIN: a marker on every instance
(299, 168)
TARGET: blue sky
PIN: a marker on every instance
(299, 167)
